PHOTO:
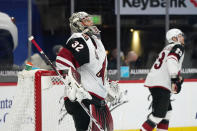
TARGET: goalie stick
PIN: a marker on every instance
(31, 39)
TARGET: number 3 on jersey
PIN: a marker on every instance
(77, 46)
(159, 61)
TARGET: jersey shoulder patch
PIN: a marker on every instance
(79, 49)
(177, 50)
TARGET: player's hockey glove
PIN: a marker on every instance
(177, 82)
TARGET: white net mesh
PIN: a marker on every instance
(39, 104)
(22, 116)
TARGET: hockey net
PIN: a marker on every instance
(39, 104)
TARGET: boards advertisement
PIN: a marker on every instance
(128, 113)
(158, 7)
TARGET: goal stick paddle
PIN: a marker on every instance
(31, 39)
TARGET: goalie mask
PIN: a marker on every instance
(81, 22)
(173, 33)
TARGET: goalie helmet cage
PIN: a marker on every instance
(39, 104)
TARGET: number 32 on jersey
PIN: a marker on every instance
(77, 46)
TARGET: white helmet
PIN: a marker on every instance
(173, 33)
(75, 21)
(77, 26)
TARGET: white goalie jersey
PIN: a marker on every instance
(86, 55)
(168, 63)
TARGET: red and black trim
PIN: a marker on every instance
(177, 51)
(102, 115)
(101, 73)
(163, 124)
(149, 125)
(66, 54)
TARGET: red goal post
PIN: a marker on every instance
(38, 103)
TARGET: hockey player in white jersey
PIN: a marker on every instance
(85, 53)
(163, 80)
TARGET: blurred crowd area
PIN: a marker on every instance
(142, 37)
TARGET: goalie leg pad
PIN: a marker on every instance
(103, 116)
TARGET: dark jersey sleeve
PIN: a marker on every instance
(79, 49)
(177, 51)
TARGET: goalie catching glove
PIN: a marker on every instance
(73, 89)
(113, 91)
(177, 82)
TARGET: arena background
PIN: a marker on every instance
(126, 25)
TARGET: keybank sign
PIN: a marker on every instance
(157, 7)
